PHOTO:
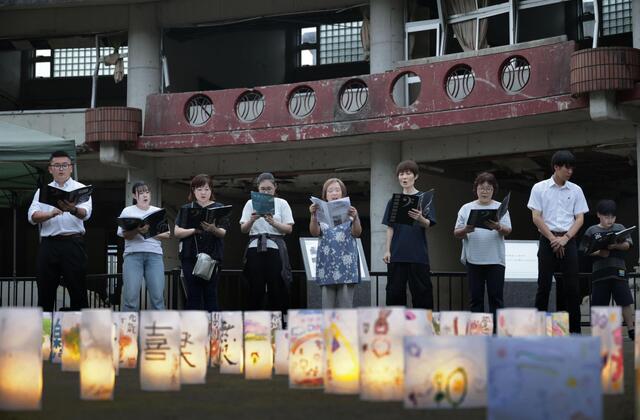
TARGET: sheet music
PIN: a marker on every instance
(332, 213)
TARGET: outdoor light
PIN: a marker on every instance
(20, 358)
(418, 322)
(160, 350)
(341, 362)
(71, 341)
(97, 374)
(194, 346)
(306, 348)
(56, 338)
(480, 324)
(560, 324)
(46, 335)
(518, 322)
(258, 353)
(231, 343)
(380, 332)
(281, 358)
(127, 339)
(454, 322)
(214, 339)
(606, 323)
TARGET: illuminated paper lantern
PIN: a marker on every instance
(276, 324)
(454, 322)
(548, 325)
(97, 374)
(258, 353)
(480, 324)
(542, 323)
(306, 348)
(115, 341)
(435, 316)
(518, 322)
(380, 332)
(606, 323)
(215, 323)
(127, 339)
(281, 358)
(560, 324)
(194, 346)
(341, 361)
(231, 343)
(418, 322)
(545, 378)
(56, 338)
(71, 341)
(20, 358)
(160, 350)
(445, 372)
(46, 335)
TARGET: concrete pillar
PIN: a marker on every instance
(387, 34)
(384, 159)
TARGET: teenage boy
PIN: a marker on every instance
(558, 207)
(406, 251)
(609, 269)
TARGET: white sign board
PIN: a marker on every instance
(309, 247)
(521, 261)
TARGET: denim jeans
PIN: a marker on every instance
(139, 265)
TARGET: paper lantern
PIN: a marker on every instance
(518, 322)
(56, 338)
(542, 323)
(97, 374)
(560, 324)
(380, 332)
(549, 325)
(258, 353)
(20, 358)
(160, 350)
(231, 343)
(606, 323)
(276, 324)
(445, 372)
(306, 348)
(71, 341)
(454, 322)
(418, 322)
(281, 358)
(480, 324)
(215, 322)
(545, 378)
(341, 362)
(127, 339)
(194, 346)
(436, 322)
(115, 341)
(46, 335)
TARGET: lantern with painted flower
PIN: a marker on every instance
(127, 339)
(606, 323)
(71, 341)
(418, 322)
(281, 358)
(454, 322)
(480, 324)
(560, 324)
(160, 350)
(341, 362)
(97, 373)
(306, 348)
(194, 346)
(518, 322)
(231, 343)
(258, 355)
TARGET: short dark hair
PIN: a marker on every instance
(487, 177)
(408, 165)
(563, 158)
(266, 176)
(59, 154)
(606, 207)
(200, 181)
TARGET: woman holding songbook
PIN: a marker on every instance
(200, 234)
(142, 252)
(267, 219)
(337, 264)
(483, 250)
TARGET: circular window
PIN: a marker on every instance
(302, 101)
(198, 110)
(515, 74)
(353, 96)
(406, 89)
(460, 82)
(249, 106)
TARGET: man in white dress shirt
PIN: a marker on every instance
(62, 251)
(558, 207)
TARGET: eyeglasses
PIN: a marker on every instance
(61, 166)
(487, 189)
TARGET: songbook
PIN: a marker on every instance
(401, 204)
(263, 203)
(51, 195)
(332, 213)
(197, 215)
(480, 217)
(157, 222)
(602, 240)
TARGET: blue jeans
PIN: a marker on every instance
(139, 265)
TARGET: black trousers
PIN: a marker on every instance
(264, 273)
(567, 288)
(419, 279)
(201, 294)
(62, 261)
(493, 276)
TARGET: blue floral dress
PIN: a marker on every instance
(337, 258)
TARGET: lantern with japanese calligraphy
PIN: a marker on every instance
(194, 346)
(215, 323)
(258, 355)
(306, 348)
(518, 322)
(480, 324)
(71, 341)
(281, 358)
(342, 364)
(56, 338)
(160, 350)
(606, 323)
(454, 322)
(127, 339)
(418, 322)
(46, 335)
(20, 358)
(380, 332)
(97, 374)
(231, 343)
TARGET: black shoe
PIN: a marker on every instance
(632, 334)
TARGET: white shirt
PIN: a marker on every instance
(282, 214)
(482, 246)
(139, 243)
(559, 205)
(62, 224)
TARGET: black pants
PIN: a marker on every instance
(264, 273)
(62, 257)
(419, 279)
(201, 294)
(567, 290)
(493, 276)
